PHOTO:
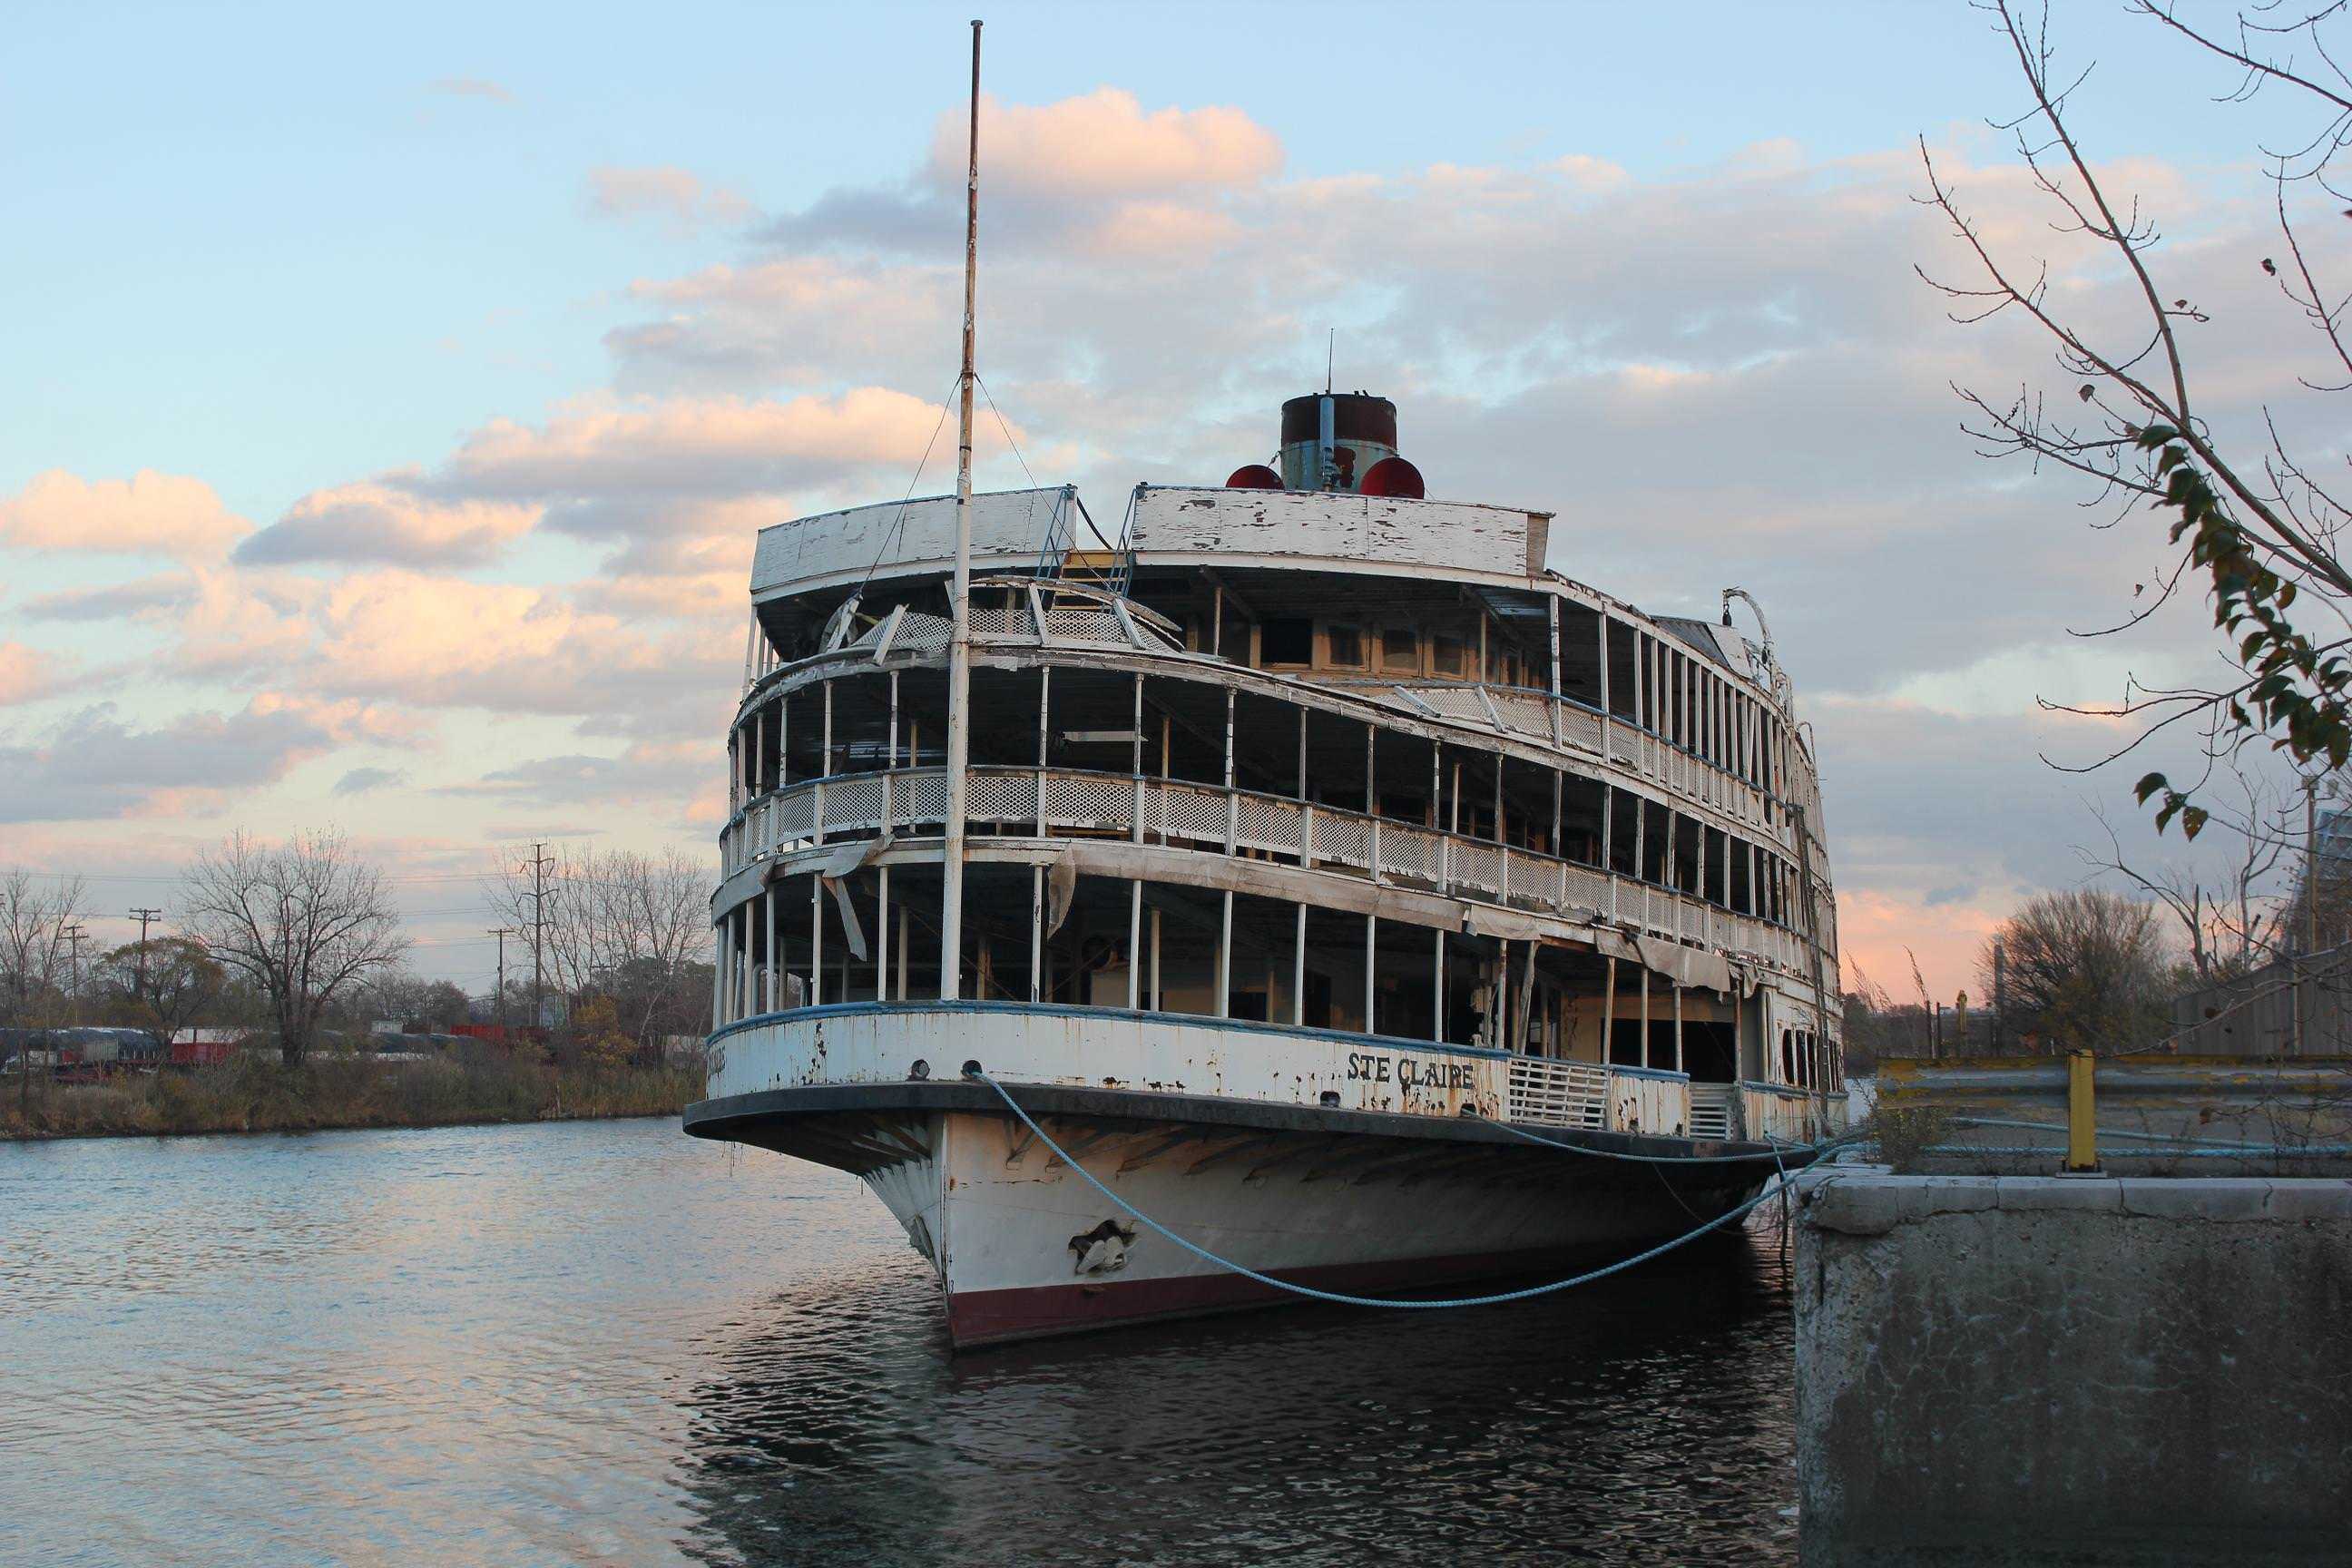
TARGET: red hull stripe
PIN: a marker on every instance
(993, 1316)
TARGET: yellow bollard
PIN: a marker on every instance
(2082, 1113)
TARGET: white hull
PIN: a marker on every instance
(1023, 1247)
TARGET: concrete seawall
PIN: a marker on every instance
(2081, 1369)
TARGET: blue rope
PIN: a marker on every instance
(2106, 1132)
(1308, 1291)
(1823, 1147)
(2247, 1151)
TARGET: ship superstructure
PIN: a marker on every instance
(1317, 834)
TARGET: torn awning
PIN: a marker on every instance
(1689, 967)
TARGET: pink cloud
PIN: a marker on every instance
(149, 513)
(1875, 928)
(690, 446)
(26, 674)
(371, 521)
(1104, 145)
(665, 192)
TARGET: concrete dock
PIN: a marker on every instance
(2081, 1369)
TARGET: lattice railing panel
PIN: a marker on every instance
(1559, 1094)
(1088, 625)
(1580, 728)
(1476, 865)
(1411, 852)
(1088, 802)
(1346, 839)
(1269, 825)
(853, 805)
(1715, 1111)
(1195, 814)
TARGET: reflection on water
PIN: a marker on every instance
(605, 1342)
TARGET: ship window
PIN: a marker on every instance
(1448, 656)
(1401, 648)
(1346, 644)
(1287, 640)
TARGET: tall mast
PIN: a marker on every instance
(960, 602)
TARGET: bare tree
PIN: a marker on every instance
(2233, 919)
(2253, 519)
(300, 920)
(620, 925)
(36, 953)
(35, 913)
(2085, 969)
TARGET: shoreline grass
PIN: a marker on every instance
(257, 1094)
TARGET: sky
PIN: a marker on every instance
(392, 401)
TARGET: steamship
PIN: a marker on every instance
(1318, 841)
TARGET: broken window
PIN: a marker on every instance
(1401, 649)
(1287, 640)
(1347, 645)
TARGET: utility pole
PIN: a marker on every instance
(499, 998)
(145, 917)
(75, 935)
(540, 893)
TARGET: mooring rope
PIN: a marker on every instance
(1345, 1301)
(2106, 1132)
(1823, 1147)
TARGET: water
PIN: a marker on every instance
(604, 1343)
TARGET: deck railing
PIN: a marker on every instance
(1715, 1111)
(1062, 802)
(1547, 1093)
(1528, 713)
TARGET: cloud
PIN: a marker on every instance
(1722, 374)
(795, 321)
(147, 514)
(396, 642)
(365, 781)
(372, 521)
(651, 468)
(667, 192)
(115, 601)
(1096, 173)
(28, 674)
(471, 87)
(1104, 145)
(674, 779)
(94, 764)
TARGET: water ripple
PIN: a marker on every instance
(605, 1342)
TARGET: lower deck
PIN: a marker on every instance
(913, 1056)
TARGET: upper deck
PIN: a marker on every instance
(1207, 728)
(1166, 525)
